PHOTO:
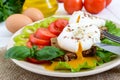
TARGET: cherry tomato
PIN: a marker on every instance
(108, 2)
(60, 1)
(44, 33)
(33, 60)
(94, 6)
(53, 29)
(73, 5)
(61, 23)
(38, 41)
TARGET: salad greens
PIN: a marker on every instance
(9, 7)
(65, 66)
(106, 56)
(23, 52)
(112, 28)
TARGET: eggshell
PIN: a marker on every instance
(17, 21)
(34, 13)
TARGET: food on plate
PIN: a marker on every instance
(47, 7)
(57, 26)
(73, 5)
(34, 13)
(17, 21)
(42, 36)
(94, 6)
(74, 34)
(72, 49)
(108, 2)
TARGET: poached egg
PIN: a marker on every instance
(83, 28)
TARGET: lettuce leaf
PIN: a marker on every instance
(105, 56)
(113, 29)
(66, 66)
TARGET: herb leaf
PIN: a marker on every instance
(48, 53)
(23, 52)
(18, 52)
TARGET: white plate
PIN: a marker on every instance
(41, 70)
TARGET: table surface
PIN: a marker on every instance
(112, 12)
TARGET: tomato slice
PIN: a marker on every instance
(44, 33)
(38, 41)
(53, 29)
(33, 60)
(61, 23)
(29, 44)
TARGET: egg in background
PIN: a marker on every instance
(17, 21)
(33, 13)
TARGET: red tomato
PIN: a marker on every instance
(33, 60)
(94, 6)
(108, 2)
(53, 29)
(38, 41)
(57, 26)
(73, 5)
(61, 23)
(44, 33)
(60, 1)
(29, 44)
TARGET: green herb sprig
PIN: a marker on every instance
(9, 7)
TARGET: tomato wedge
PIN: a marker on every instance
(61, 23)
(38, 41)
(33, 60)
(44, 33)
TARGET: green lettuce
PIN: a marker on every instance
(105, 56)
(113, 29)
(66, 66)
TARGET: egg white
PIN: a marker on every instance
(75, 33)
(83, 28)
(86, 19)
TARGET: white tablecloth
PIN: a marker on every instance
(112, 12)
